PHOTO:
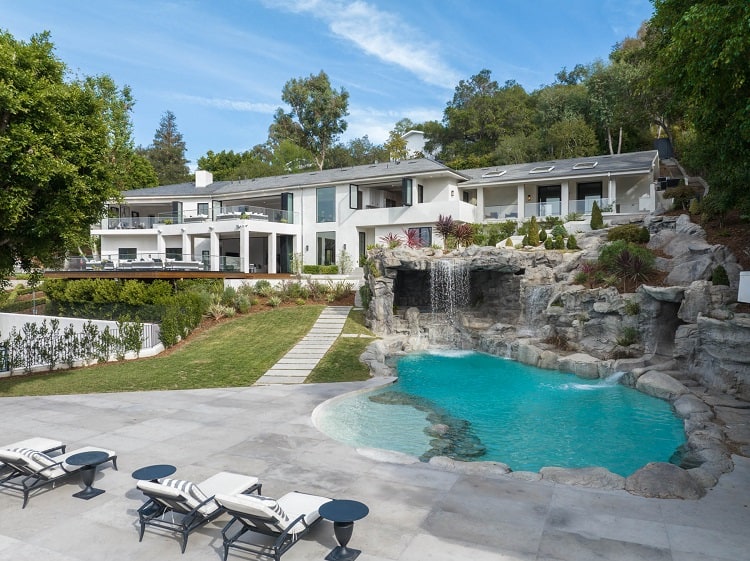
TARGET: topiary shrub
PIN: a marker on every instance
(720, 276)
(542, 235)
(572, 243)
(597, 222)
(533, 234)
(549, 243)
(559, 242)
(508, 242)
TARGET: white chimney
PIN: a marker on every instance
(203, 178)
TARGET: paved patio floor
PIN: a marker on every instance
(416, 512)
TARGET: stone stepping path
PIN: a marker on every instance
(297, 364)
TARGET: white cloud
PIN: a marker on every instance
(229, 104)
(377, 123)
(378, 33)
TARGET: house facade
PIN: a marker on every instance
(260, 225)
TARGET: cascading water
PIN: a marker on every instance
(449, 288)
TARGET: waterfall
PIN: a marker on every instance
(612, 379)
(449, 288)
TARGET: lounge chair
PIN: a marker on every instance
(31, 469)
(182, 506)
(281, 523)
(46, 445)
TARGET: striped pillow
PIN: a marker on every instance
(36, 460)
(270, 507)
(188, 489)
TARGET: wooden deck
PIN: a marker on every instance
(161, 274)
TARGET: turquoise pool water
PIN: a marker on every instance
(522, 416)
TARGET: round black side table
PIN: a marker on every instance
(89, 461)
(153, 473)
(343, 514)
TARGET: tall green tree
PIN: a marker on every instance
(54, 169)
(316, 118)
(167, 152)
(130, 170)
(700, 51)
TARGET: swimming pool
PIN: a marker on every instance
(476, 407)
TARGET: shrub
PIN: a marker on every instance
(413, 239)
(311, 269)
(695, 207)
(300, 301)
(629, 233)
(559, 230)
(340, 290)
(551, 221)
(274, 301)
(391, 240)
(681, 195)
(445, 226)
(632, 308)
(264, 288)
(243, 303)
(533, 234)
(573, 217)
(366, 295)
(572, 243)
(507, 228)
(508, 242)
(559, 242)
(628, 336)
(228, 296)
(329, 269)
(597, 222)
(345, 262)
(549, 243)
(542, 235)
(580, 278)
(525, 241)
(720, 276)
(627, 262)
(464, 234)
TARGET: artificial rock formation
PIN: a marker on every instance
(522, 304)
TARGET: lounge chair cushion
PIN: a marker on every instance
(36, 443)
(285, 510)
(36, 461)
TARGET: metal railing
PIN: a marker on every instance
(249, 212)
(552, 208)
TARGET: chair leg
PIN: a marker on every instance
(143, 529)
(25, 498)
(184, 540)
(114, 462)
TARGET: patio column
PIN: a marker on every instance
(564, 198)
(161, 248)
(612, 191)
(479, 211)
(214, 245)
(244, 248)
(272, 254)
(521, 202)
(187, 247)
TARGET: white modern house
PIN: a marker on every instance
(258, 225)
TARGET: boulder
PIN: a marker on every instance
(664, 293)
(660, 385)
(374, 358)
(689, 405)
(486, 469)
(596, 477)
(580, 364)
(664, 481)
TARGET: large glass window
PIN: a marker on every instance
(327, 204)
(425, 235)
(127, 253)
(326, 248)
(203, 209)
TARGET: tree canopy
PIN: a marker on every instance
(167, 152)
(55, 150)
(316, 118)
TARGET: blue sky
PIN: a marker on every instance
(220, 65)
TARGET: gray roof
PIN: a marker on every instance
(573, 167)
(370, 172)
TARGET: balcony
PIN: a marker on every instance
(238, 212)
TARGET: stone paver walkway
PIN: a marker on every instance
(297, 364)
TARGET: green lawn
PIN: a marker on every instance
(341, 363)
(234, 353)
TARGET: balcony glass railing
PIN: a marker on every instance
(501, 212)
(550, 208)
(237, 212)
